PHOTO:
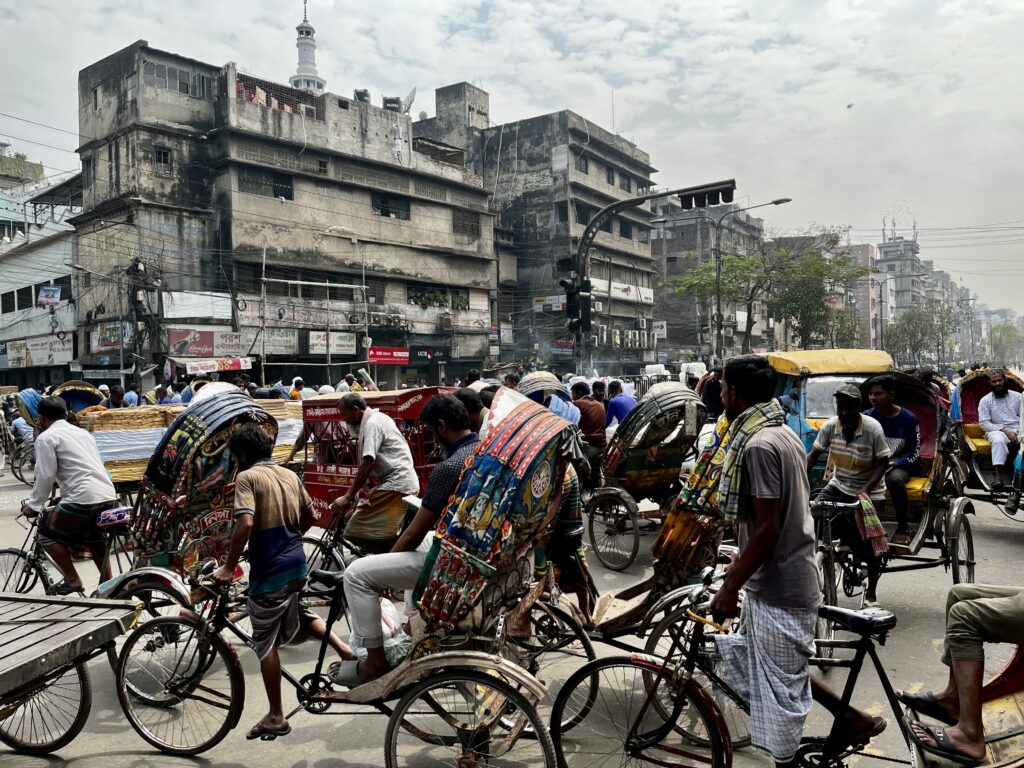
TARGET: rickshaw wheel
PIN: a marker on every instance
(961, 551)
(827, 580)
(51, 715)
(614, 533)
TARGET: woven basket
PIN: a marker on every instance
(143, 417)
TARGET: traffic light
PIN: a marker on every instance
(713, 195)
(572, 302)
(584, 293)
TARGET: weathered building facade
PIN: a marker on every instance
(547, 176)
(201, 181)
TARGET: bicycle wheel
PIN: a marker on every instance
(48, 716)
(614, 533)
(319, 557)
(459, 717)
(19, 573)
(660, 641)
(827, 580)
(181, 688)
(961, 551)
(557, 646)
(23, 465)
(623, 726)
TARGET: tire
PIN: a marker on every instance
(557, 640)
(155, 600)
(614, 533)
(156, 689)
(824, 629)
(21, 575)
(51, 715)
(23, 465)
(622, 700)
(659, 644)
(961, 551)
(445, 723)
(318, 556)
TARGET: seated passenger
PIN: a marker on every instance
(999, 415)
(975, 614)
(903, 434)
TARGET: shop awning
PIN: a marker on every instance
(194, 365)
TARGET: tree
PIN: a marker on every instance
(910, 334)
(1006, 343)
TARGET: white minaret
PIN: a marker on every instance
(305, 77)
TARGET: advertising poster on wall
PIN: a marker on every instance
(188, 343)
(342, 343)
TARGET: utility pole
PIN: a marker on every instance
(263, 320)
(329, 374)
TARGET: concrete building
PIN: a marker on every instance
(681, 240)
(885, 301)
(200, 180)
(547, 176)
(901, 258)
(14, 170)
(864, 295)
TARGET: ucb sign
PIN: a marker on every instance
(429, 355)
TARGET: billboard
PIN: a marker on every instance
(186, 343)
(49, 296)
(342, 343)
(389, 355)
(429, 355)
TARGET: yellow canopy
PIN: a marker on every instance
(815, 362)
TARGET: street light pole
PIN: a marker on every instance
(719, 332)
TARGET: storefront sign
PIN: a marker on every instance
(106, 335)
(342, 343)
(279, 341)
(623, 291)
(660, 328)
(49, 296)
(3, 354)
(561, 347)
(429, 355)
(186, 343)
(549, 303)
(506, 336)
(389, 355)
(228, 344)
(16, 354)
(193, 367)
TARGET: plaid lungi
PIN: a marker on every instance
(766, 663)
(378, 517)
(73, 523)
(277, 618)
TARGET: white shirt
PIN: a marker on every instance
(342, 386)
(997, 413)
(68, 456)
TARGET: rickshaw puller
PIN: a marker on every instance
(999, 415)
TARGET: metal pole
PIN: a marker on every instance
(719, 334)
(120, 347)
(366, 305)
(329, 374)
(263, 320)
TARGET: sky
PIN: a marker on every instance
(860, 111)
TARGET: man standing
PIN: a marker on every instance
(116, 399)
(474, 407)
(599, 392)
(400, 568)
(384, 453)
(619, 404)
(272, 511)
(711, 393)
(68, 456)
(511, 380)
(764, 489)
(903, 434)
(592, 425)
(859, 456)
(131, 397)
(999, 416)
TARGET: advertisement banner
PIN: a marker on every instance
(549, 303)
(3, 354)
(429, 355)
(16, 354)
(342, 343)
(228, 344)
(389, 355)
(660, 328)
(193, 367)
(561, 347)
(186, 343)
(48, 350)
(279, 341)
(49, 296)
(107, 336)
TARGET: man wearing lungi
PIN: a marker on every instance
(272, 511)
(764, 490)
(377, 520)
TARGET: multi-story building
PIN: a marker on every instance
(885, 301)
(244, 219)
(17, 170)
(681, 240)
(900, 258)
(864, 293)
(547, 177)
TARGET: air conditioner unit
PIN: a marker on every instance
(616, 337)
(652, 339)
(444, 321)
(630, 339)
(602, 335)
(355, 318)
(598, 306)
(593, 340)
(641, 323)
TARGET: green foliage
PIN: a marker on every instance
(909, 335)
(1006, 343)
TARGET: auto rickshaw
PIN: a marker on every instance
(972, 452)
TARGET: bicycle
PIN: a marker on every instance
(668, 712)
(181, 687)
(23, 462)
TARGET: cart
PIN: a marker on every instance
(45, 642)
(642, 462)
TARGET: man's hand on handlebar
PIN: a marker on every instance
(27, 511)
(725, 604)
(223, 576)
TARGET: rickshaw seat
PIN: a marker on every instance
(974, 430)
(916, 488)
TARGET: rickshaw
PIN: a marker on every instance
(972, 452)
(642, 461)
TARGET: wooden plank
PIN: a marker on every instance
(47, 628)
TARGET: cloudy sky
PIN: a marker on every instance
(858, 110)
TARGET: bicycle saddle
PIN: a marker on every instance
(330, 579)
(869, 621)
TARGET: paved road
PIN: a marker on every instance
(910, 658)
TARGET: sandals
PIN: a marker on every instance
(851, 741)
(942, 747)
(263, 732)
(62, 588)
(901, 539)
(925, 704)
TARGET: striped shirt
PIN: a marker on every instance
(854, 460)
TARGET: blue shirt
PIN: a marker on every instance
(618, 408)
(902, 434)
(131, 398)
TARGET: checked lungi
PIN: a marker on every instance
(766, 663)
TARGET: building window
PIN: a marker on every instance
(97, 92)
(582, 213)
(257, 181)
(374, 291)
(176, 79)
(427, 296)
(606, 225)
(582, 164)
(342, 104)
(460, 298)
(26, 300)
(562, 212)
(321, 167)
(87, 172)
(643, 235)
(390, 206)
(609, 174)
(7, 302)
(465, 222)
(625, 182)
(625, 229)
(65, 287)
(131, 84)
(162, 158)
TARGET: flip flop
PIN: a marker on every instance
(942, 747)
(901, 540)
(63, 588)
(925, 704)
(264, 733)
(847, 741)
(346, 674)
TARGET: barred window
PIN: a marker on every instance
(390, 206)
(465, 222)
(256, 181)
